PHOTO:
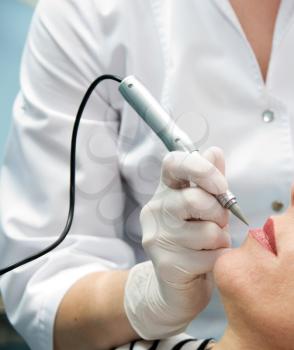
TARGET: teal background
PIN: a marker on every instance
(15, 18)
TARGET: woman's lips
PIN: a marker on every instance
(266, 236)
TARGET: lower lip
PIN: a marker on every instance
(265, 236)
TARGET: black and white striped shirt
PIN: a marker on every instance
(178, 342)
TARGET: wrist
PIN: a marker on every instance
(148, 313)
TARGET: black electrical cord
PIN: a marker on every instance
(72, 176)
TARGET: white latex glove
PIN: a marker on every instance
(163, 295)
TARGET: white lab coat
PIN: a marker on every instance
(195, 59)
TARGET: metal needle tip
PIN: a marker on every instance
(235, 209)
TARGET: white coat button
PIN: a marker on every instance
(268, 116)
(277, 206)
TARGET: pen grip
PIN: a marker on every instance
(149, 109)
(138, 97)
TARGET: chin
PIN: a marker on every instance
(224, 270)
(231, 277)
(252, 311)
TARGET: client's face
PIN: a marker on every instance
(256, 282)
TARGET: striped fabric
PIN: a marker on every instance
(173, 343)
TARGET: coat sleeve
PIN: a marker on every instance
(70, 43)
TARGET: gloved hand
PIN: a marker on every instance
(184, 232)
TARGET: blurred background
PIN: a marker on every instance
(15, 16)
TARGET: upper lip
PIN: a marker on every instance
(269, 230)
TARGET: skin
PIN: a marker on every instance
(257, 289)
(257, 19)
(91, 315)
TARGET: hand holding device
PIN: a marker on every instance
(163, 295)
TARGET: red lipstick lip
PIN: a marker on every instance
(269, 230)
(265, 236)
